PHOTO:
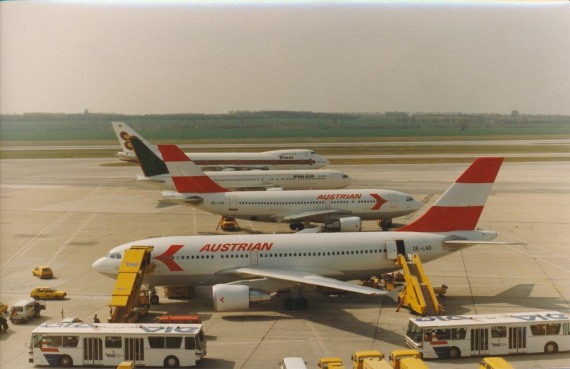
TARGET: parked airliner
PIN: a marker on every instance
(246, 269)
(156, 173)
(338, 210)
(276, 159)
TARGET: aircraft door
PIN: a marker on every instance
(393, 201)
(395, 248)
(233, 202)
(391, 250)
(253, 257)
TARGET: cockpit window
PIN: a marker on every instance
(409, 199)
(345, 176)
(113, 255)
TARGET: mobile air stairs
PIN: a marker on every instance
(129, 302)
(418, 295)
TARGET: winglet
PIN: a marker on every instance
(460, 207)
(187, 176)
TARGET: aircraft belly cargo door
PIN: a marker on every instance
(394, 248)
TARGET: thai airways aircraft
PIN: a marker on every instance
(276, 159)
(156, 173)
(338, 210)
(245, 269)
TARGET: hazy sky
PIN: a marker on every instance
(145, 58)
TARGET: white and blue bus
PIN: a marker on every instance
(79, 344)
(454, 336)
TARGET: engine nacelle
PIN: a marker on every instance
(348, 224)
(232, 297)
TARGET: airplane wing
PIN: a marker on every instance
(313, 215)
(316, 280)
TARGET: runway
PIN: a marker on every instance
(68, 212)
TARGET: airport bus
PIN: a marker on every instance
(489, 334)
(81, 344)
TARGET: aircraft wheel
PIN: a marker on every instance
(301, 303)
(296, 226)
(154, 299)
(289, 303)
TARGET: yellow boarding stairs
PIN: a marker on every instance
(127, 292)
(418, 294)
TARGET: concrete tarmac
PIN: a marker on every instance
(68, 212)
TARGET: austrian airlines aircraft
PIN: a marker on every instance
(277, 159)
(156, 173)
(246, 269)
(338, 210)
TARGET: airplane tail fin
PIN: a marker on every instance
(187, 176)
(460, 207)
(149, 158)
(124, 134)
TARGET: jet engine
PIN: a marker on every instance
(232, 297)
(348, 224)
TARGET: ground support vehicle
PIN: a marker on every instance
(454, 336)
(494, 362)
(25, 310)
(47, 293)
(330, 363)
(129, 303)
(398, 355)
(42, 272)
(186, 319)
(359, 356)
(292, 363)
(418, 294)
(108, 344)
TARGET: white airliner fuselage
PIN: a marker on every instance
(266, 179)
(210, 260)
(304, 204)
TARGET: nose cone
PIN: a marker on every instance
(105, 266)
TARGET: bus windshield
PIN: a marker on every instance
(414, 333)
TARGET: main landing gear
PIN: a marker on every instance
(296, 226)
(297, 303)
(154, 299)
(385, 224)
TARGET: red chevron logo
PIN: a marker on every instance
(379, 201)
(168, 258)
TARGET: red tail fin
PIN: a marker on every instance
(460, 207)
(187, 176)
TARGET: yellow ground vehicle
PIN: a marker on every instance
(494, 362)
(375, 364)
(47, 293)
(412, 363)
(330, 363)
(42, 272)
(359, 356)
(397, 355)
(3, 308)
(126, 365)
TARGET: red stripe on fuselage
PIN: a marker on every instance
(483, 170)
(167, 258)
(445, 219)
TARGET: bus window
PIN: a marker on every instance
(537, 329)
(443, 334)
(458, 333)
(113, 342)
(189, 343)
(498, 331)
(37, 340)
(52, 341)
(553, 328)
(156, 342)
(70, 341)
(173, 342)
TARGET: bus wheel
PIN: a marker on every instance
(551, 347)
(66, 361)
(171, 362)
(454, 353)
